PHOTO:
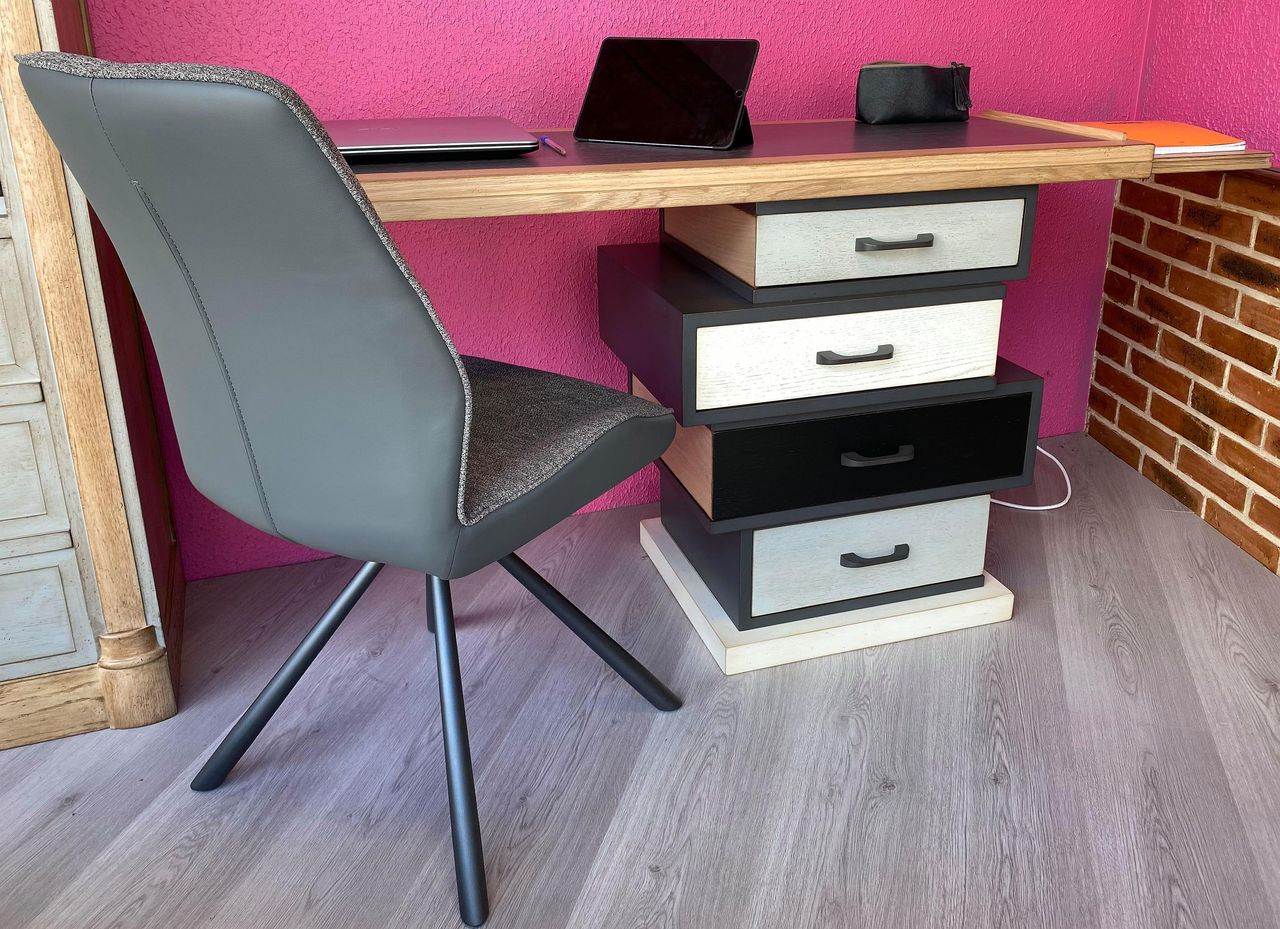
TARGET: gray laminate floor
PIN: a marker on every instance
(1111, 758)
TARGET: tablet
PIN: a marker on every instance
(680, 92)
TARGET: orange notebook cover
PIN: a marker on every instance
(1171, 138)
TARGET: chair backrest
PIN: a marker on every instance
(314, 392)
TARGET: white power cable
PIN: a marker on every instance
(1049, 506)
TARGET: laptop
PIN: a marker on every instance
(445, 135)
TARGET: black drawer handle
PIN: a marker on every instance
(854, 460)
(882, 353)
(854, 560)
(868, 244)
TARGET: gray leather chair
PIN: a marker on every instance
(314, 392)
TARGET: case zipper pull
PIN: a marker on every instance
(960, 82)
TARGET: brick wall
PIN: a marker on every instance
(1185, 383)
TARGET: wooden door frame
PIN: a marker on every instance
(133, 674)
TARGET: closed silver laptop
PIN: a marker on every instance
(445, 135)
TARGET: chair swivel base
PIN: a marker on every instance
(468, 854)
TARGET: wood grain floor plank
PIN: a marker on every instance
(1162, 815)
(1107, 759)
(1226, 618)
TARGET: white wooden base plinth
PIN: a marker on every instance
(737, 651)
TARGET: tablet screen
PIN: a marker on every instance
(686, 92)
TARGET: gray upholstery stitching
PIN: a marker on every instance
(213, 340)
(93, 100)
(204, 315)
(96, 68)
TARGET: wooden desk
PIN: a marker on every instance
(789, 161)
(759, 565)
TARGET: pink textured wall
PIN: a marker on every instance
(1215, 64)
(522, 289)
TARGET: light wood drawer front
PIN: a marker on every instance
(31, 500)
(795, 248)
(801, 565)
(777, 360)
(43, 622)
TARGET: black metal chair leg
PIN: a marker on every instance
(599, 641)
(243, 733)
(468, 856)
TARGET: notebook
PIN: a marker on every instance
(1172, 138)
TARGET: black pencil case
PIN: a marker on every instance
(893, 92)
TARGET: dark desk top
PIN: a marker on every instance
(789, 160)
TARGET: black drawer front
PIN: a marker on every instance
(814, 462)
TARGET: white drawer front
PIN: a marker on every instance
(777, 360)
(796, 248)
(31, 500)
(799, 565)
(44, 625)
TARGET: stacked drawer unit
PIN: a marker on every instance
(843, 413)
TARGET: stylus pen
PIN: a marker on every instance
(551, 144)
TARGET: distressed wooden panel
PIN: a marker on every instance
(43, 622)
(31, 498)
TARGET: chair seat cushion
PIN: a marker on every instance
(526, 425)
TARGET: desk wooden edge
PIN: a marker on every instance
(485, 192)
(1248, 160)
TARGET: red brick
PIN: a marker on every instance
(1118, 287)
(1210, 294)
(1191, 357)
(1169, 311)
(1255, 190)
(1150, 200)
(1128, 225)
(1191, 428)
(1178, 245)
(1204, 183)
(1226, 413)
(1147, 433)
(1268, 240)
(1260, 316)
(1211, 477)
(1260, 393)
(1114, 442)
(1235, 529)
(1120, 384)
(1158, 374)
(1217, 222)
(1266, 514)
(1102, 404)
(1264, 472)
(1251, 272)
(1139, 264)
(1172, 484)
(1130, 325)
(1234, 341)
(1112, 347)
(1271, 444)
